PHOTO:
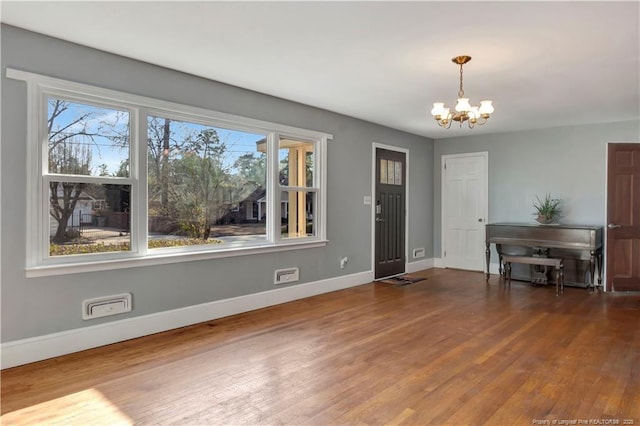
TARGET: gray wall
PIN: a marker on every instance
(568, 162)
(38, 306)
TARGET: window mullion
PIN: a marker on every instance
(273, 189)
(139, 191)
(300, 188)
(58, 177)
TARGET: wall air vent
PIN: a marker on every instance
(105, 306)
(283, 276)
(419, 252)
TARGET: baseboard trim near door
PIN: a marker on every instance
(38, 348)
(419, 265)
(439, 263)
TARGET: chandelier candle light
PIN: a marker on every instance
(464, 111)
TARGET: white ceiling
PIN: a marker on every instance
(544, 64)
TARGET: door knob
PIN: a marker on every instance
(480, 220)
(379, 219)
(613, 226)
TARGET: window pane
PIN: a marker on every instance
(383, 171)
(398, 173)
(207, 185)
(88, 218)
(296, 162)
(298, 213)
(87, 140)
(390, 172)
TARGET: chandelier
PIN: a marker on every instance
(464, 111)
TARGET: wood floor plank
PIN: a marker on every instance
(451, 349)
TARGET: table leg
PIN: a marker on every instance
(488, 256)
(592, 270)
(600, 268)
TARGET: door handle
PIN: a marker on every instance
(379, 219)
(480, 220)
(613, 226)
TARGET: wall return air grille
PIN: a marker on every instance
(283, 276)
(105, 306)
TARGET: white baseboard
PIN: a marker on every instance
(33, 349)
(439, 263)
(419, 265)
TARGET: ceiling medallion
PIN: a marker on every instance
(464, 111)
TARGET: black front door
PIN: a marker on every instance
(390, 213)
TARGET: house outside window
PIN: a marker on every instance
(117, 180)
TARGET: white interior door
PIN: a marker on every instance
(464, 210)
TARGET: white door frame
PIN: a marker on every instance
(375, 146)
(443, 216)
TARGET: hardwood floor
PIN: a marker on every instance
(448, 350)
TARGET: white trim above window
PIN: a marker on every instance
(117, 133)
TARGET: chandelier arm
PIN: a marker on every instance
(483, 122)
(445, 124)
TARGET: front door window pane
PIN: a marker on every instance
(383, 171)
(397, 180)
(390, 172)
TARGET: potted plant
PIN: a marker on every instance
(547, 209)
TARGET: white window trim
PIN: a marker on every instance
(37, 261)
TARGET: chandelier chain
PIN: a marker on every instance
(461, 91)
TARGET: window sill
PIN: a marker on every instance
(163, 258)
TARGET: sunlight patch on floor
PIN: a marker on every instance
(87, 407)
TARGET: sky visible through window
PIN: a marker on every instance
(102, 132)
(106, 132)
(234, 143)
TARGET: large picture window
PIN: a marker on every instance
(117, 179)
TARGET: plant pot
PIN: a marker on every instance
(544, 220)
